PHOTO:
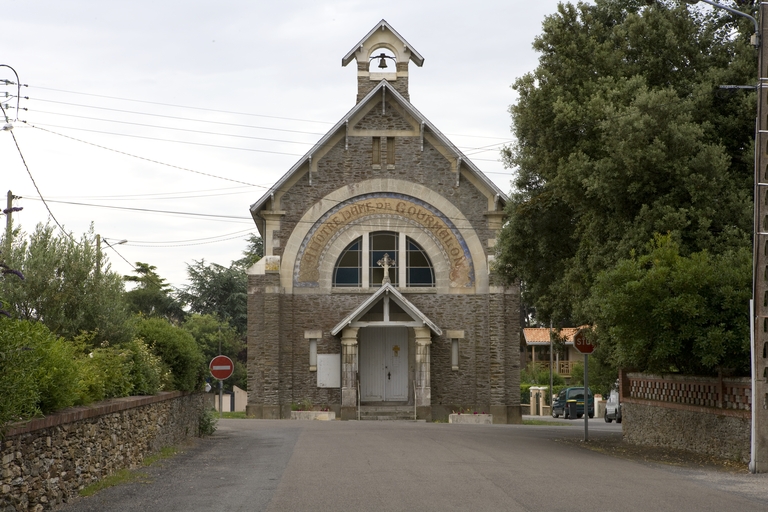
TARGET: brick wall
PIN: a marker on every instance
(47, 461)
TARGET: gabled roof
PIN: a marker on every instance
(405, 304)
(540, 335)
(391, 93)
(382, 25)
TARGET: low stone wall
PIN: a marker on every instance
(713, 434)
(46, 461)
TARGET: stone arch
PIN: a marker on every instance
(296, 245)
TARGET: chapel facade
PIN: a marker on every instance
(377, 285)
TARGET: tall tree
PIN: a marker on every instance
(152, 295)
(217, 290)
(63, 288)
(622, 133)
(221, 291)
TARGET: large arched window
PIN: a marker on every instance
(348, 269)
(361, 263)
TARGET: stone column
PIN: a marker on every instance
(349, 373)
(423, 394)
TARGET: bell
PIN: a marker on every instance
(383, 61)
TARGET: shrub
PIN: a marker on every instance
(208, 423)
(147, 369)
(106, 373)
(177, 349)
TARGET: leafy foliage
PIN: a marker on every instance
(622, 134)
(64, 289)
(663, 312)
(220, 291)
(178, 351)
(210, 333)
(152, 296)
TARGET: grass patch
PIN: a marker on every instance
(165, 453)
(544, 422)
(126, 476)
(123, 476)
(233, 415)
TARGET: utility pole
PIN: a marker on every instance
(9, 209)
(759, 316)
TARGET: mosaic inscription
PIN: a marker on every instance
(377, 205)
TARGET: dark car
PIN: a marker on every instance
(613, 408)
(569, 397)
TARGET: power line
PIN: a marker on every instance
(147, 159)
(148, 210)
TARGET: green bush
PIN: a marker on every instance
(106, 373)
(178, 350)
(208, 423)
(147, 369)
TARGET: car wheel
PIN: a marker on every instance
(578, 416)
(591, 416)
(618, 420)
(555, 415)
(606, 418)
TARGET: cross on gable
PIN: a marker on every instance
(386, 262)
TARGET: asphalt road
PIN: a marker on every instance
(283, 465)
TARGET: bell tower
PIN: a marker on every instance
(382, 54)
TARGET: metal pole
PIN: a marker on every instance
(586, 397)
(221, 398)
(551, 366)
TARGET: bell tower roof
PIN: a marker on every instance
(382, 54)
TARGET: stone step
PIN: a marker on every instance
(386, 413)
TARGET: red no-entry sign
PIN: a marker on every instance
(221, 367)
(582, 344)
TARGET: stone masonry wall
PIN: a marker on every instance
(489, 362)
(708, 433)
(48, 460)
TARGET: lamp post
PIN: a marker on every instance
(758, 308)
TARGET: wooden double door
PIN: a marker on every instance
(384, 364)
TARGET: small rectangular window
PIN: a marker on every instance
(313, 355)
(455, 354)
(390, 151)
(376, 151)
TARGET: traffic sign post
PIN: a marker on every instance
(221, 368)
(585, 346)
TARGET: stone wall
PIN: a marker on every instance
(708, 433)
(487, 378)
(46, 461)
(707, 415)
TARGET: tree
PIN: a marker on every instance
(177, 349)
(220, 291)
(253, 252)
(215, 337)
(152, 296)
(621, 134)
(663, 312)
(63, 288)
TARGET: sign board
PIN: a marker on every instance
(329, 370)
(221, 367)
(582, 344)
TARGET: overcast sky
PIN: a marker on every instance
(161, 122)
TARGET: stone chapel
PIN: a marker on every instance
(377, 289)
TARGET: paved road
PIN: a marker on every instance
(263, 465)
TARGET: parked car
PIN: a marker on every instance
(613, 407)
(572, 396)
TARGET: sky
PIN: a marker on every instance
(160, 123)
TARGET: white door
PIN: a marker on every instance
(384, 364)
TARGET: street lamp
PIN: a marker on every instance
(758, 462)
